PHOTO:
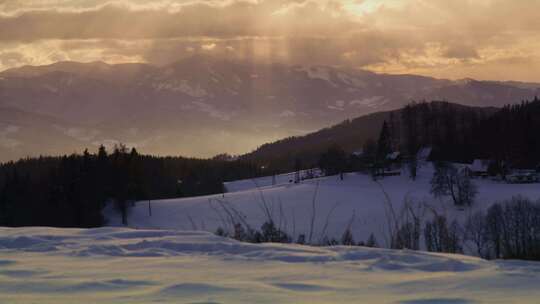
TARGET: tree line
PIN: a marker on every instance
(506, 230)
(72, 190)
(507, 136)
(462, 134)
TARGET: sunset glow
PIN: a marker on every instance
(450, 39)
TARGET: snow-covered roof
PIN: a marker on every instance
(479, 165)
(358, 152)
(424, 153)
(393, 156)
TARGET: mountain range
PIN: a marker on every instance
(202, 106)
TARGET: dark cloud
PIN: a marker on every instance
(115, 21)
(463, 52)
(393, 36)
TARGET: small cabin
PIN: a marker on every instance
(424, 154)
(522, 177)
(358, 153)
(393, 163)
(394, 156)
(479, 168)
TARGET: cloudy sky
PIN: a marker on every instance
(484, 39)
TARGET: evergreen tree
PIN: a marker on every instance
(410, 124)
(333, 161)
(384, 145)
(71, 190)
(447, 180)
(347, 238)
(372, 241)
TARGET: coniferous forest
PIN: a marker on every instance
(456, 133)
(509, 134)
(71, 191)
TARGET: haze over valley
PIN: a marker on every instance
(203, 106)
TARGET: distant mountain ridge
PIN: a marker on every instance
(203, 106)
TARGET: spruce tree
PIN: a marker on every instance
(384, 144)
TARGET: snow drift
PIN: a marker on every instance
(120, 265)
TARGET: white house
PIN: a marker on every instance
(479, 167)
(358, 153)
(393, 156)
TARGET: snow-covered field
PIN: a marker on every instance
(266, 181)
(120, 265)
(174, 258)
(357, 199)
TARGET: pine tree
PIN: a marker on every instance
(384, 144)
(372, 242)
(410, 122)
(333, 161)
(347, 238)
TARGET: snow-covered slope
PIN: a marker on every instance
(119, 265)
(266, 181)
(358, 199)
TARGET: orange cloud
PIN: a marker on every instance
(454, 39)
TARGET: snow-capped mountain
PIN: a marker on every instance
(202, 106)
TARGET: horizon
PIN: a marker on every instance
(264, 63)
(113, 145)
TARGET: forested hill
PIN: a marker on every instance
(352, 135)
(349, 135)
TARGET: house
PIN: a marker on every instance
(393, 163)
(522, 177)
(424, 154)
(390, 173)
(394, 156)
(479, 168)
(358, 153)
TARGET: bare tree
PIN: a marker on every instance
(476, 232)
(408, 233)
(447, 180)
(495, 227)
(441, 237)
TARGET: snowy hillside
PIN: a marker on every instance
(357, 200)
(266, 181)
(119, 265)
